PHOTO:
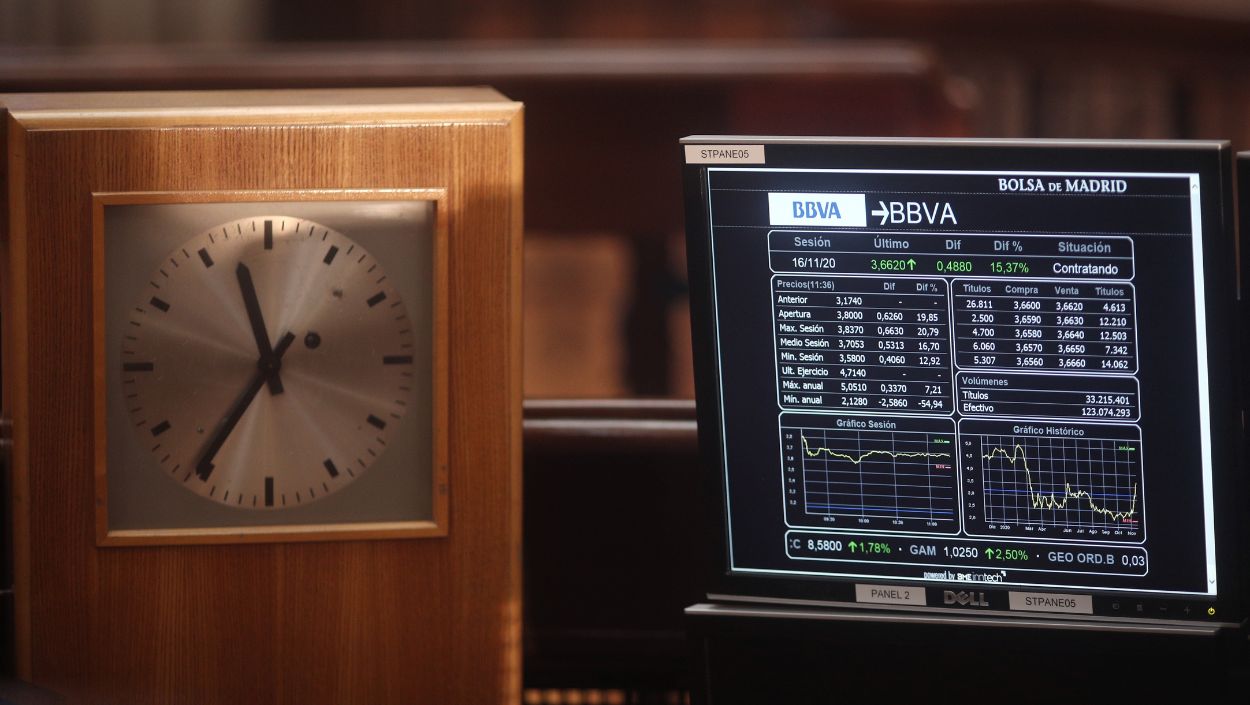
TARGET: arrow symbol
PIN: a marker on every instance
(882, 212)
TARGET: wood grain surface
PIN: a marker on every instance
(381, 621)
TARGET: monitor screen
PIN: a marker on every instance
(993, 376)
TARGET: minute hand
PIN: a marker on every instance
(257, 319)
(265, 370)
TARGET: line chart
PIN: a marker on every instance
(1085, 485)
(900, 479)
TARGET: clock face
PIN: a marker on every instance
(266, 361)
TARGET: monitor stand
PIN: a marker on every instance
(799, 655)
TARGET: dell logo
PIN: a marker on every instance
(968, 599)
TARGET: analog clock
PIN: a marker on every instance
(269, 360)
(231, 463)
(270, 364)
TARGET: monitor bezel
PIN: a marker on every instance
(1211, 160)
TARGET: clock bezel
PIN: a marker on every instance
(434, 527)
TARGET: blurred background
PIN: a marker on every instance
(610, 87)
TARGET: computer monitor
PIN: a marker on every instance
(992, 376)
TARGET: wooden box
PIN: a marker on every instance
(324, 615)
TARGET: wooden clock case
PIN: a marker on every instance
(368, 619)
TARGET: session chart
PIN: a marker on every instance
(843, 471)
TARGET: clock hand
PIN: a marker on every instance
(266, 369)
(257, 320)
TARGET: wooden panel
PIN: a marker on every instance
(384, 621)
(626, 475)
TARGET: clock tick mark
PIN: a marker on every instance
(163, 273)
(155, 285)
(325, 235)
(205, 257)
(376, 422)
(325, 487)
(370, 452)
(212, 491)
(226, 497)
(397, 359)
(370, 270)
(350, 248)
(269, 234)
(362, 258)
(376, 299)
(380, 441)
(381, 280)
(269, 492)
(185, 254)
(159, 303)
(174, 262)
(160, 428)
(330, 254)
(165, 458)
(211, 241)
(350, 473)
(330, 468)
(138, 366)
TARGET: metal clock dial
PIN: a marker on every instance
(266, 362)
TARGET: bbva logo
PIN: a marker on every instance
(816, 209)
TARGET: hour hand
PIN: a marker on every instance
(257, 320)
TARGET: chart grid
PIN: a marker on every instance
(1083, 483)
(897, 475)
